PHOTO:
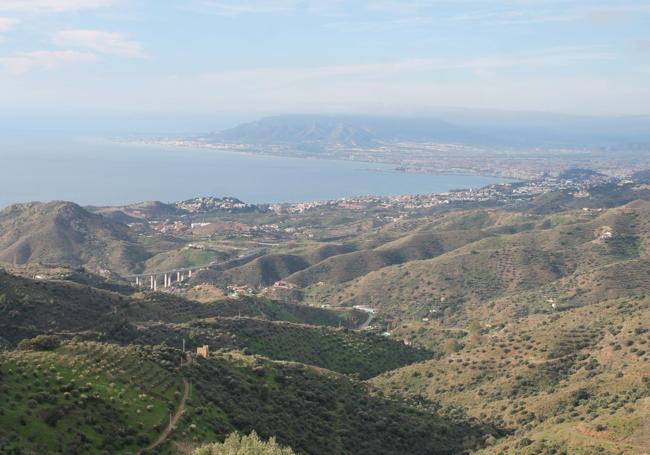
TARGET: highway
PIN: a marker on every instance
(181, 272)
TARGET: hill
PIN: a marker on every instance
(347, 131)
(150, 210)
(62, 394)
(64, 233)
(67, 307)
(574, 258)
(515, 330)
(264, 271)
(182, 258)
(342, 350)
(444, 125)
(83, 398)
(577, 380)
(270, 268)
(316, 411)
(339, 263)
(345, 267)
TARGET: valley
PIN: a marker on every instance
(510, 319)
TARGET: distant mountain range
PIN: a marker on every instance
(351, 131)
(452, 125)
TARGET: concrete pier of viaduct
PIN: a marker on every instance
(169, 278)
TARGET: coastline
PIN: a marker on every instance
(232, 149)
(152, 170)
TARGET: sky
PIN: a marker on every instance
(242, 58)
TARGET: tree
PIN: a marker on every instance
(39, 343)
(236, 444)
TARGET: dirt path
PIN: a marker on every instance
(556, 359)
(175, 418)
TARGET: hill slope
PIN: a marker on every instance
(576, 380)
(344, 351)
(64, 233)
(62, 395)
(571, 258)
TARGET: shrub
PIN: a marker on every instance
(236, 444)
(39, 343)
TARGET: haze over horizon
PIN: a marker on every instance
(141, 64)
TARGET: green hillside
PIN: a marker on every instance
(31, 307)
(345, 351)
(315, 411)
(83, 398)
(99, 398)
(180, 259)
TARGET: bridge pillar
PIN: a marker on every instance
(190, 273)
(178, 276)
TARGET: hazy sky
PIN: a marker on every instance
(202, 56)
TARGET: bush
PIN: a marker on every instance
(40, 343)
(237, 444)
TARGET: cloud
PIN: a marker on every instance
(380, 26)
(559, 56)
(512, 12)
(318, 72)
(240, 7)
(403, 5)
(511, 17)
(368, 85)
(285, 91)
(38, 6)
(7, 23)
(100, 41)
(25, 61)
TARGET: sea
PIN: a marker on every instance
(101, 172)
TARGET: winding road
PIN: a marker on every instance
(371, 316)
